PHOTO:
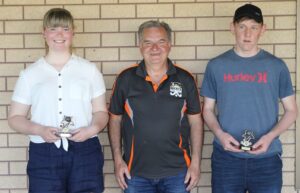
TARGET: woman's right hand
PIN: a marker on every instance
(49, 134)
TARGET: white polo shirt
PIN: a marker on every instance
(53, 94)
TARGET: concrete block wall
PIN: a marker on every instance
(106, 35)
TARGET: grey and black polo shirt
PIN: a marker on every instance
(155, 128)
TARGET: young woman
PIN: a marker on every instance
(63, 93)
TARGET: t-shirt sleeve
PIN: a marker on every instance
(22, 92)
(193, 101)
(118, 97)
(285, 83)
(209, 87)
(98, 86)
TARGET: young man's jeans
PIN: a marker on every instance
(236, 175)
(172, 184)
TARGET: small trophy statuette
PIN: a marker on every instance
(246, 143)
(65, 126)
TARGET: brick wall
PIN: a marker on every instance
(106, 35)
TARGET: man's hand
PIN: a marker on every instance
(262, 145)
(121, 170)
(288, 118)
(192, 176)
(229, 143)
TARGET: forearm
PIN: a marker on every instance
(99, 122)
(283, 124)
(22, 125)
(288, 118)
(115, 138)
(197, 140)
(212, 122)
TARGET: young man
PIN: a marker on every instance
(155, 109)
(245, 84)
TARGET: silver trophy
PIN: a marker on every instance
(246, 143)
(65, 126)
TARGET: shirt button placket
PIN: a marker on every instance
(60, 96)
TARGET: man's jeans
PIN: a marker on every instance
(172, 184)
(236, 175)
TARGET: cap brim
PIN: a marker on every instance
(258, 20)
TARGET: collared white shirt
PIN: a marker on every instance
(53, 94)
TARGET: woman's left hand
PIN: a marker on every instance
(80, 134)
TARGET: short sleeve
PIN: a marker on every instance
(193, 101)
(118, 96)
(209, 87)
(98, 86)
(22, 92)
(285, 83)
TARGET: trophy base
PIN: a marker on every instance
(245, 148)
(64, 135)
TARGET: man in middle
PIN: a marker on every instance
(155, 110)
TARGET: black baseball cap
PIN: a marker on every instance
(250, 11)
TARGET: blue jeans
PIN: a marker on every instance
(53, 170)
(237, 175)
(171, 184)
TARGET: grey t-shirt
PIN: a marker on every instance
(247, 91)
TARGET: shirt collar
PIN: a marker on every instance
(141, 69)
(69, 62)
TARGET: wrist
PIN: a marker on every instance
(37, 129)
(271, 135)
(117, 155)
(92, 130)
(195, 161)
(118, 160)
(218, 133)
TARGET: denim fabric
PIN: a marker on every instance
(238, 175)
(172, 184)
(53, 170)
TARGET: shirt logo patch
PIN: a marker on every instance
(176, 89)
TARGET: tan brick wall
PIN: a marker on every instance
(106, 35)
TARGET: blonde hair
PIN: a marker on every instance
(58, 17)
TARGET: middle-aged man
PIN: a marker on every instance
(155, 109)
(246, 83)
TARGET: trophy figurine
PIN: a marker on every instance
(246, 143)
(65, 126)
